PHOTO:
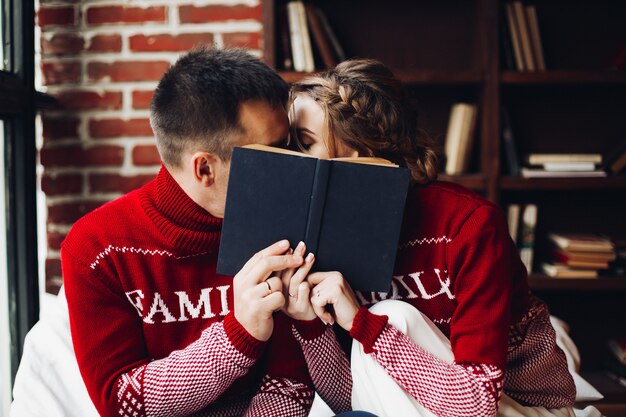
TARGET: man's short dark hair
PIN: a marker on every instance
(196, 103)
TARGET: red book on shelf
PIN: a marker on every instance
(568, 260)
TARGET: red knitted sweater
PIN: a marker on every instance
(458, 266)
(152, 322)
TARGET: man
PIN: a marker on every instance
(156, 330)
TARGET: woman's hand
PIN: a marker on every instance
(331, 288)
(296, 288)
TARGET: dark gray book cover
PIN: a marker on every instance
(348, 214)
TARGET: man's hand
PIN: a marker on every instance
(258, 293)
(331, 288)
(296, 289)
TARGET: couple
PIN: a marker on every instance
(157, 331)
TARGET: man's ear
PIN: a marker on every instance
(204, 167)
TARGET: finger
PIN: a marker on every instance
(319, 302)
(267, 287)
(264, 267)
(301, 275)
(286, 274)
(277, 248)
(304, 291)
(318, 277)
(273, 302)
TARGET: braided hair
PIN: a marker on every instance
(366, 109)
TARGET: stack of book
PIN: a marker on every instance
(578, 255)
(522, 222)
(460, 137)
(563, 165)
(522, 39)
(307, 39)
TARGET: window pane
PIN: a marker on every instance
(2, 66)
(5, 354)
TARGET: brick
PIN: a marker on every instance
(56, 16)
(105, 43)
(144, 155)
(62, 184)
(61, 72)
(76, 156)
(89, 100)
(183, 42)
(142, 99)
(53, 267)
(250, 40)
(60, 128)
(68, 213)
(108, 183)
(109, 128)
(55, 239)
(99, 15)
(127, 70)
(204, 14)
(62, 44)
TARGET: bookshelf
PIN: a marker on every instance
(450, 51)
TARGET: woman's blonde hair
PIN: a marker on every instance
(366, 109)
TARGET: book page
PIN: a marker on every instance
(358, 160)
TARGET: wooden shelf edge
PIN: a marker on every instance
(519, 183)
(608, 77)
(544, 282)
(411, 76)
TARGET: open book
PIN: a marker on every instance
(348, 214)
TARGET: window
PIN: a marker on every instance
(19, 295)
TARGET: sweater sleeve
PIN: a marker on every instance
(448, 390)
(112, 357)
(327, 363)
(480, 259)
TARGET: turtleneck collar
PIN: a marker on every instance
(186, 225)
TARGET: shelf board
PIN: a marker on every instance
(572, 78)
(474, 182)
(578, 183)
(412, 76)
(544, 282)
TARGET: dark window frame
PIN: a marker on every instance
(18, 111)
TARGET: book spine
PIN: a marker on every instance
(295, 32)
(316, 207)
(323, 44)
(508, 143)
(527, 236)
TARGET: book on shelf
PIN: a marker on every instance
(460, 137)
(524, 35)
(526, 238)
(299, 35)
(322, 43)
(535, 37)
(582, 242)
(569, 166)
(617, 346)
(542, 173)
(330, 35)
(615, 162)
(583, 256)
(513, 222)
(563, 271)
(509, 148)
(285, 39)
(348, 213)
(507, 55)
(542, 158)
(516, 41)
(573, 262)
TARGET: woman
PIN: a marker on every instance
(461, 312)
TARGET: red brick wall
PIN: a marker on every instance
(102, 60)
